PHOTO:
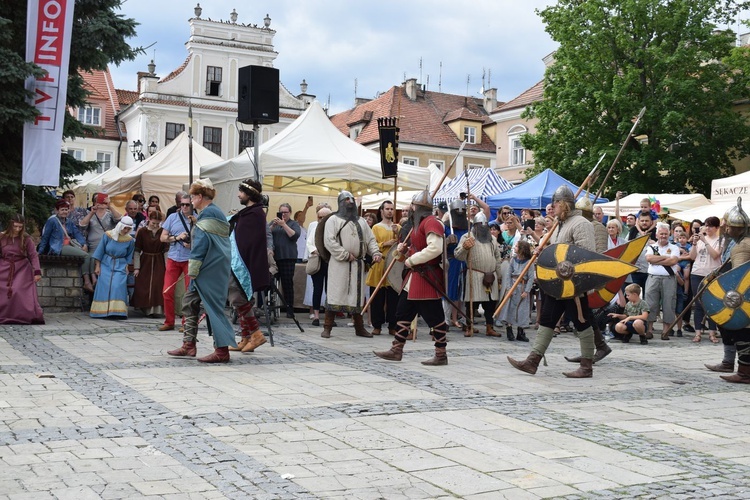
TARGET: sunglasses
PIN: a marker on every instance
(506, 213)
(186, 204)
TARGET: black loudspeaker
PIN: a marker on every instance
(258, 99)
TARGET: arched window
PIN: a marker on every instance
(517, 154)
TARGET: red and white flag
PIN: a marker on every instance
(48, 34)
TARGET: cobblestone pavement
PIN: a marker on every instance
(96, 409)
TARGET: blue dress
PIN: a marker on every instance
(111, 293)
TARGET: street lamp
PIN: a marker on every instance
(136, 148)
(152, 148)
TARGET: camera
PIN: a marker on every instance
(529, 224)
(279, 215)
(462, 196)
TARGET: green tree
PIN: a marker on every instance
(616, 56)
(99, 38)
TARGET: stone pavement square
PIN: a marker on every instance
(97, 409)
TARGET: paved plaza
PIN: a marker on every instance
(96, 409)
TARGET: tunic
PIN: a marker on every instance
(382, 234)
(209, 268)
(149, 259)
(425, 240)
(484, 258)
(456, 268)
(111, 293)
(517, 311)
(18, 300)
(345, 287)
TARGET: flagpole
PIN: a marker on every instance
(190, 143)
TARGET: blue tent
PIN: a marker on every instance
(535, 193)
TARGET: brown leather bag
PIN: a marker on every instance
(488, 279)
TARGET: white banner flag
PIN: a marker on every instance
(48, 34)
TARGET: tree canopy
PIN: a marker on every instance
(617, 56)
(99, 38)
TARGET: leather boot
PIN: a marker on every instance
(440, 358)
(392, 331)
(376, 331)
(359, 326)
(220, 355)
(87, 284)
(328, 324)
(741, 377)
(491, 331)
(601, 353)
(188, 349)
(583, 371)
(521, 335)
(394, 353)
(721, 367)
(257, 339)
(241, 344)
(469, 331)
(509, 333)
(528, 365)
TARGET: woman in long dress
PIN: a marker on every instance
(112, 256)
(150, 267)
(19, 273)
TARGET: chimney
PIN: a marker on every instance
(490, 99)
(412, 87)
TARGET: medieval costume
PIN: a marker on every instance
(348, 239)
(19, 269)
(249, 264)
(572, 229)
(423, 286)
(383, 305)
(483, 270)
(517, 311)
(209, 270)
(148, 260)
(112, 256)
(457, 226)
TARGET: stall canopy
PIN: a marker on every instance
(729, 188)
(165, 172)
(311, 156)
(704, 211)
(85, 189)
(669, 203)
(482, 182)
(535, 193)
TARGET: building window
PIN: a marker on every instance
(470, 135)
(90, 116)
(173, 130)
(76, 153)
(410, 161)
(213, 80)
(212, 139)
(517, 152)
(247, 139)
(104, 160)
(355, 131)
(440, 164)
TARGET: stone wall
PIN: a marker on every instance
(60, 289)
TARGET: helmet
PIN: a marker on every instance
(480, 218)
(585, 204)
(736, 217)
(343, 195)
(564, 194)
(422, 199)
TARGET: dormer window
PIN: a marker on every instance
(90, 116)
(355, 131)
(470, 135)
(213, 80)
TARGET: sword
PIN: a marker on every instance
(697, 294)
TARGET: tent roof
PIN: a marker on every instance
(702, 212)
(165, 172)
(311, 156)
(535, 193)
(671, 202)
(483, 182)
(729, 188)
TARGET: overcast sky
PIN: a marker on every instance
(332, 43)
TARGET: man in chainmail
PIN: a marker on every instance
(348, 239)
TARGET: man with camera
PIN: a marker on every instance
(176, 232)
(285, 233)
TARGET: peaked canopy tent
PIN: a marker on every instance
(704, 211)
(84, 190)
(403, 199)
(483, 182)
(311, 157)
(534, 193)
(164, 173)
(670, 203)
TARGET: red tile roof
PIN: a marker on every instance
(178, 70)
(422, 121)
(102, 94)
(530, 96)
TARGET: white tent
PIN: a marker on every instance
(403, 198)
(730, 188)
(165, 172)
(702, 212)
(483, 182)
(310, 156)
(85, 189)
(671, 202)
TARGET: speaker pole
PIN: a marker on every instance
(190, 143)
(256, 152)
